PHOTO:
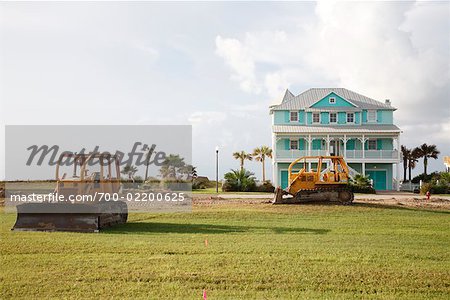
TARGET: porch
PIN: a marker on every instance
(352, 147)
(349, 154)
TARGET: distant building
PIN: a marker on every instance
(447, 163)
(336, 121)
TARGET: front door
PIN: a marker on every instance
(284, 179)
(379, 179)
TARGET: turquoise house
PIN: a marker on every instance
(337, 121)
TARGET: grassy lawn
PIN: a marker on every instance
(254, 251)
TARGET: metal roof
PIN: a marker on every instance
(336, 129)
(311, 96)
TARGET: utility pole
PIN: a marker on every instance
(217, 169)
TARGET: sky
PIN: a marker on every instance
(219, 66)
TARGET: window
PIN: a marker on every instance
(332, 100)
(294, 116)
(372, 145)
(333, 117)
(350, 118)
(316, 117)
(371, 116)
(293, 145)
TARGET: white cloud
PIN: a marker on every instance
(207, 117)
(238, 58)
(152, 53)
(383, 50)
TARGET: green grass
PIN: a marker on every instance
(254, 251)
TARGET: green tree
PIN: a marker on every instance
(405, 155)
(173, 167)
(427, 151)
(260, 154)
(242, 156)
(129, 170)
(412, 160)
(239, 180)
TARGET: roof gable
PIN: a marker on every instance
(313, 95)
(338, 101)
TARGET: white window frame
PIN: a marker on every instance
(350, 113)
(290, 144)
(290, 116)
(374, 119)
(375, 144)
(332, 102)
(335, 121)
(318, 122)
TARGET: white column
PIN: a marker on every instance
(363, 147)
(274, 161)
(364, 169)
(309, 144)
(345, 145)
(328, 144)
(398, 163)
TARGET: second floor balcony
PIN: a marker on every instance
(349, 154)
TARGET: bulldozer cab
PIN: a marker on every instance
(91, 173)
(316, 171)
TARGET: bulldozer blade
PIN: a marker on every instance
(51, 217)
(57, 222)
(278, 196)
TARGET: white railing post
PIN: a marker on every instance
(345, 146)
(363, 146)
(309, 144)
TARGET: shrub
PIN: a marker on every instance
(265, 187)
(438, 183)
(425, 178)
(426, 187)
(138, 179)
(361, 184)
(445, 178)
(362, 189)
(200, 183)
(239, 181)
(440, 189)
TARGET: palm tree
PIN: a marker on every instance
(360, 180)
(129, 170)
(242, 156)
(405, 153)
(427, 151)
(260, 154)
(173, 167)
(194, 172)
(239, 180)
(412, 160)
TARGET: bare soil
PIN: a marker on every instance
(394, 199)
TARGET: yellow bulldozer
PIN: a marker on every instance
(328, 182)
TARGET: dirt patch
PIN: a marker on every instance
(414, 202)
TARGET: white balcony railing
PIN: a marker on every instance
(371, 154)
(294, 154)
